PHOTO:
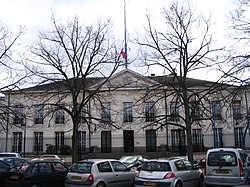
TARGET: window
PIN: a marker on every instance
(197, 137)
(83, 114)
(150, 140)
(59, 116)
(174, 112)
(180, 166)
(106, 141)
(38, 114)
(118, 166)
(195, 110)
(45, 167)
(218, 137)
(106, 112)
(17, 144)
(19, 114)
(178, 139)
(38, 144)
(216, 110)
(149, 111)
(104, 167)
(59, 140)
(236, 109)
(82, 141)
(238, 136)
(127, 112)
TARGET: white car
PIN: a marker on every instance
(9, 154)
(51, 157)
(99, 173)
(175, 172)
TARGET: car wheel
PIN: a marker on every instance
(201, 181)
(100, 184)
(178, 184)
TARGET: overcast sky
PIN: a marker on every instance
(35, 14)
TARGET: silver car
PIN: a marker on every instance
(99, 173)
(175, 172)
(227, 166)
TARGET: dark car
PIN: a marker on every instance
(4, 168)
(37, 173)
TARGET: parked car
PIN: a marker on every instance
(42, 173)
(51, 157)
(99, 173)
(4, 168)
(226, 166)
(133, 160)
(9, 154)
(13, 160)
(195, 162)
(173, 172)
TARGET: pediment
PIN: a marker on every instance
(128, 79)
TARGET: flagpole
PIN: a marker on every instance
(125, 37)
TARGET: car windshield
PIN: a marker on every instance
(129, 159)
(81, 167)
(222, 158)
(155, 166)
(21, 167)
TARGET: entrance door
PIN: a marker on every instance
(128, 141)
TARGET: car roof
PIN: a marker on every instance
(225, 149)
(96, 160)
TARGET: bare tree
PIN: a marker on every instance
(240, 36)
(66, 58)
(10, 72)
(182, 49)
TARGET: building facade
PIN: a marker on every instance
(131, 114)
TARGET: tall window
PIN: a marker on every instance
(174, 112)
(82, 141)
(216, 110)
(218, 137)
(83, 114)
(150, 140)
(238, 136)
(59, 140)
(197, 137)
(38, 144)
(17, 144)
(38, 114)
(59, 116)
(19, 114)
(106, 112)
(106, 142)
(236, 109)
(195, 110)
(149, 111)
(127, 112)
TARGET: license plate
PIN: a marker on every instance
(77, 178)
(14, 177)
(223, 171)
(150, 183)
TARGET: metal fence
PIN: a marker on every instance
(163, 146)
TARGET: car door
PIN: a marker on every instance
(183, 173)
(60, 172)
(123, 175)
(106, 173)
(45, 175)
(193, 174)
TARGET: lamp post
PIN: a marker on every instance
(23, 126)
